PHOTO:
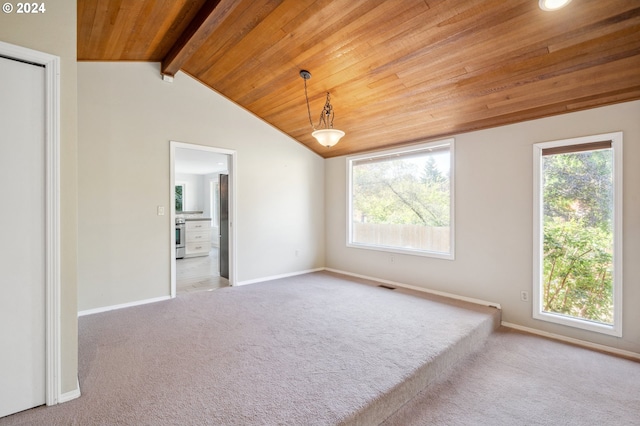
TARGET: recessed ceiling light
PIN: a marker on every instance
(550, 5)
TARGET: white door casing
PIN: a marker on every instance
(34, 178)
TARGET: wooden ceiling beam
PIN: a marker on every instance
(208, 18)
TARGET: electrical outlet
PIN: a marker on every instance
(160, 210)
(524, 296)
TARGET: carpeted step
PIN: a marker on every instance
(435, 366)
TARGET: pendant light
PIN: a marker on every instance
(326, 135)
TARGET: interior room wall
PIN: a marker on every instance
(127, 117)
(494, 220)
(54, 32)
(194, 191)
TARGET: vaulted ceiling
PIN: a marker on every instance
(399, 71)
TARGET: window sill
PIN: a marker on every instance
(398, 250)
(608, 329)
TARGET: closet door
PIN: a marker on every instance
(22, 252)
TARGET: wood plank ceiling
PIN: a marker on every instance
(399, 71)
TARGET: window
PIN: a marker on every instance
(401, 200)
(180, 197)
(578, 232)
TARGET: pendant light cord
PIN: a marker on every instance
(308, 108)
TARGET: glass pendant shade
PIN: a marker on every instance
(328, 137)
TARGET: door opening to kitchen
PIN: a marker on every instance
(202, 218)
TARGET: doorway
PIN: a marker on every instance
(202, 217)
(29, 167)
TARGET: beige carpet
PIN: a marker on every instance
(520, 379)
(322, 350)
(318, 349)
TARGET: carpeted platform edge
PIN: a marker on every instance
(378, 410)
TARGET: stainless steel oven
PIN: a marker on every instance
(180, 238)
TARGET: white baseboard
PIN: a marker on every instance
(421, 289)
(68, 396)
(578, 342)
(276, 277)
(121, 306)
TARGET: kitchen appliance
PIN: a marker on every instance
(180, 237)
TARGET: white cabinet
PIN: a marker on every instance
(198, 238)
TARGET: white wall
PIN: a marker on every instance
(194, 191)
(494, 222)
(127, 116)
(54, 32)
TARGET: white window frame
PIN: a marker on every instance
(402, 151)
(614, 329)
